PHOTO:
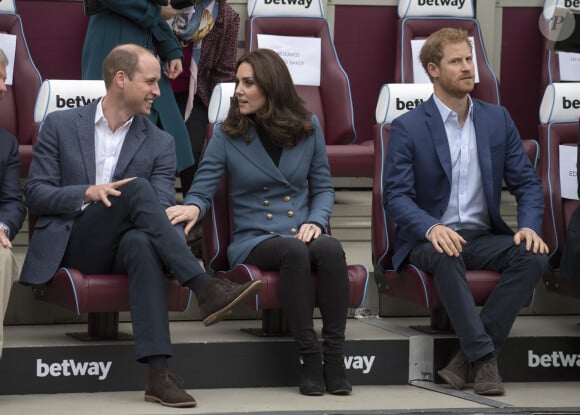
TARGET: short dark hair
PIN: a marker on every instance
(122, 58)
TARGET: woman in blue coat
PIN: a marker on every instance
(142, 22)
(273, 152)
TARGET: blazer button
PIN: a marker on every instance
(67, 227)
(293, 231)
(286, 198)
(265, 188)
(290, 213)
(266, 203)
(269, 216)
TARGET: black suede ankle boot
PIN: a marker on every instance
(335, 375)
(311, 375)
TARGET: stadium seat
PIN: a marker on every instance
(410, 283)
(558, 127)
(217, 234)
(17, 107)
(102, 296)
(418, 19)
(330, 99)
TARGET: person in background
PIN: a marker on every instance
(444, 170)
(141, 22)
(12, 209)
(100, 179)
(208, 32)
(274, 154)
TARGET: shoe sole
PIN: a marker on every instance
(491, 391)
(340, 392)
(227, 310)
(191, 404)
(451, 379)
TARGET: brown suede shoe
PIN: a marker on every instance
(164, 387)
(487, 379)
(218, 298)
(457, 371)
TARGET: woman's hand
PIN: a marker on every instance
(183, 213)
(308, 232)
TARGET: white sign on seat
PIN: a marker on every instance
(560, 103)
(8, 45)
(58, 94)
(439, 8)
(302, 56)
(397, 99)
(219, 103)
(7, 6)
(568, 171)
(285, 8)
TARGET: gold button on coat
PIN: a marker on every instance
(293, 230)
(290, 213)
(266, 203)
(286, 198)
(269, 216)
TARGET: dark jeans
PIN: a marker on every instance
(134, 236)
(485, 332)
(295, 261)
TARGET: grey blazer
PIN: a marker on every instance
(268, 200)
(63, 167)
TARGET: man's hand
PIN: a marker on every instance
(533, 241)
(445, 239)
(183, 213)
(4, 241)
(173, 68)
(101, 192)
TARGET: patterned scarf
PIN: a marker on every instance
(191, 26)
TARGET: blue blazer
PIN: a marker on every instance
(299, 190)
(12, 209)
(417, 173)
(63, 167)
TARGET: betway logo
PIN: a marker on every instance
(455, 3)
(554, 359)
(78, 101)
(71, 368)
(364, 363)
(290, 2)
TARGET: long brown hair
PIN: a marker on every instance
(284, 118)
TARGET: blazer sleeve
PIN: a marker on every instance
(43, 191)
(210, 171)
(399, 192)
(321, 189)
(12, 209)
(163, 172)
(522, 180)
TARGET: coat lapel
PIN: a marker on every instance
(256, 154)
(85, 125)
(483, 149)
(439, 136)
(133, 140)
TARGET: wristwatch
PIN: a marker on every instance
(6, 229)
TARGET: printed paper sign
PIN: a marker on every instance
(419, 74)
(569, 66)
(568, 180)
(8, 45)
(301, 54)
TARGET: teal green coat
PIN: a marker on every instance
(139, 22)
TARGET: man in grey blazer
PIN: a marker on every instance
(100, 179)
(12, 209)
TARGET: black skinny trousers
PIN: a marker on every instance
(296, 261)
